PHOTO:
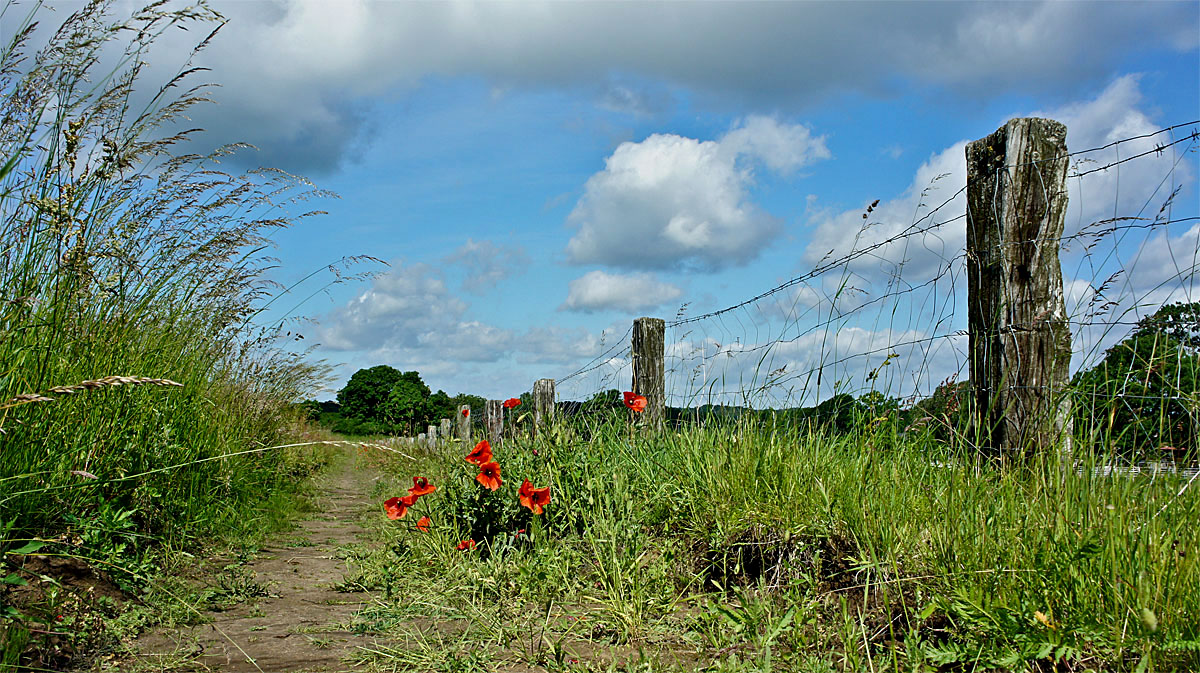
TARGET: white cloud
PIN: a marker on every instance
(400, 308)
(671, 202)
(288, 68)
(487, 264)
(600, 291)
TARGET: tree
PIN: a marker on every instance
(367, 391)
(1143, 394)
(407, 402)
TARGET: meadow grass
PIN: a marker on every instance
(750, 547)
(141, 403)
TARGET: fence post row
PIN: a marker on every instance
(648, 364)
(493, 420)
(464, 424)
(543, 403)
(1020, 342)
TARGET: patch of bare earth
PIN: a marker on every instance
(303, 623)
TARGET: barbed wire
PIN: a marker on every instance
(749, 333)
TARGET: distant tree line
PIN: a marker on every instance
(382, 400)
(1141, 399)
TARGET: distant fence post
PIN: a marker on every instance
(464, 424)
(444, 430)
(493, 420)
(648, 363)
(1020, 342)
(543, 403)
(431, 436)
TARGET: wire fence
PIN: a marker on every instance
(885, 309)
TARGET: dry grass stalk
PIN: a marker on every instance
(94, 384)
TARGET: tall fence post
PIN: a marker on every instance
(431, 436)
(543, 403)
(1020, 342)
(648, 364)
(464, 425)
(444, 431)
(493, 420)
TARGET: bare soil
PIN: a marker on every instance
(304, 623)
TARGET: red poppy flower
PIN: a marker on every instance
(482, 453)
(635, 402)
(423, 524)
(489, 475)
(466, 412)
(396, 508)
(465, 545)
(511, 402)
(534, 498)
(421, 486)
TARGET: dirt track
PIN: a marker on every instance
(303, 624)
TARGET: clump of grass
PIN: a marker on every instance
(743, 546)
(121, 253)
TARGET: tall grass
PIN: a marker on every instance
(795, 550)
(122, 256)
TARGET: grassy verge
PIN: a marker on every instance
(744, 548)
(142, 408)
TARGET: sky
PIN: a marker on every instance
(532, 176)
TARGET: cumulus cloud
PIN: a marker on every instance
(1127, 189)
(670, 202)
(296, 74)
(600, 291)
(487, 264)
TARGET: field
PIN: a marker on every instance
(166, 505)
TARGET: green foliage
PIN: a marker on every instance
(1145, 393)
(407, 403)
(368, 391)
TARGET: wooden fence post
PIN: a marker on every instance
(464, 425)
(648, 363)
(444, 431)
(543, 403)
(431, 436)
(1020, 342)
(493, 420)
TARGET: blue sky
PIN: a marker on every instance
(537, 173)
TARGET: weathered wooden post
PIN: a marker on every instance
(1020, 341)
(543, 403)
(444, 430)
(421, 440)
(648, 365)
(431, 436)
(464, 425)
(493, 420)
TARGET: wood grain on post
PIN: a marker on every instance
(493, 420)
(444, 431)
(1020, 342)
(648, 365)
(543, 403)
(431, 436)
(464, 425)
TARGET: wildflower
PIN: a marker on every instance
(397, 507)
(534, 498)
(1045, 620)
(423, 524)
(465, 545)
(421, 487)
(482, 453)
(511, 403)
(635, 402)
(489, 475)
(466, 413)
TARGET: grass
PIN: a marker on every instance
(142, 407)
(741, 548)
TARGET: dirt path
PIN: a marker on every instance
(302, 624)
